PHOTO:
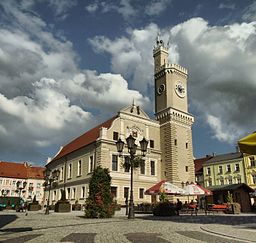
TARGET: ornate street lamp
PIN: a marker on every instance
(132, 147)
(50, 178)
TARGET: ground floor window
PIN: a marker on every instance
(141, 193)
(126, 192)
(114, 191)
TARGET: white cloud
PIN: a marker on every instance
(221, 65)
(132, 55)
(45, 98)
(156, 7)
(230, 6)
(249, 13)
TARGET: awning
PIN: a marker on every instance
(248, 144)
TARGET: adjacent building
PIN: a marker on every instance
(224, 169)
(250, 170)
(21, 179)
(169, 155)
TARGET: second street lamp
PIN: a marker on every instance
(132, 151)
(50, 178)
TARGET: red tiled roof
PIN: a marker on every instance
(199, 163)
(84, 140)
(20, 170)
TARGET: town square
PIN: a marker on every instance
(127, 121)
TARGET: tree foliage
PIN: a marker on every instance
(99, 204)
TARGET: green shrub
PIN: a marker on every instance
(100, 204)
(164, 209)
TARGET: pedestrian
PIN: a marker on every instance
(178, 206)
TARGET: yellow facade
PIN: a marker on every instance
(250, 170)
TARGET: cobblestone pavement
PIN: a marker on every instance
(73, 227)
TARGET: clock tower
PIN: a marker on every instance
(171, 108)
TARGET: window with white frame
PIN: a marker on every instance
(126, 192)
(114, 191)
(74, 193)
(228, 168)
(54, 195)
(126, 164)
(220, 170)
(208, 171)
(79, 168)
(114, 162)
(38, 185)
(237, 167)
(238, 179)
(210, 181)
(230, 180)
(1, 181)
(252, 161)
(141, 193)
(61, 173)
(152, 167)
(254, 178)
(142, 167)
(68, 193)
(83, 192)
(69, 171)
(221, 180)
(91, 164)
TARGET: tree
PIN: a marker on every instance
(99, 204)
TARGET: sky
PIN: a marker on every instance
(66, 66)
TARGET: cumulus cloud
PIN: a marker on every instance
(222, 74)
(221, 65)
(123, 7)
(156, 7)
(249, 14)
(45, 98)
(132, 55)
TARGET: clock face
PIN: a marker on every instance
(180, 89)
(160, 89)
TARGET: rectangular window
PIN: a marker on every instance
(220, 169)
(152, 167)
(68, 193)
(210, 181)
(230, 180)
(54, 195)
(13, 183)
(186, 145)
(208, 170)
(114, 162)
(222, 181)
(126, 164)
(126, 192)
(38, 185)
(141, 193)
(252, 161)
(142, 168)
(91, 164)
(83, 192)
(69, 171)
(186, 168)
(115, 136)
(1, 181)
(254, 179)
(61, 173)
(79, 168)
(74, 193)
(228, 168)
(175, 142)
(238, 180)
(237, 167)
(151, 144)
(114, 191)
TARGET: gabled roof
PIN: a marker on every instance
(20, 170)
(199, 163)
(231, 187)
(225, 157)
(84, 140)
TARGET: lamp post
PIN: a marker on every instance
(50, 178)
(20, 186)
(132, 151)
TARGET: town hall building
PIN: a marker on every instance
(169, 155)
